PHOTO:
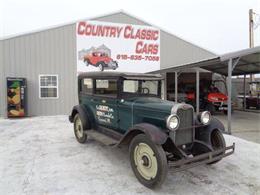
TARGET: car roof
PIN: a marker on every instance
(126, 75)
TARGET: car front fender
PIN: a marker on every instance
(157, 135)
(83, 114)
(203, 133)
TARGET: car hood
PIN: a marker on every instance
(220, 96)
(107, 59)
(153, 104)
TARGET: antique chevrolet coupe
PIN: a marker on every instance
(126, 109)
(100, 60)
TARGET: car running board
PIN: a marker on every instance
(102, 138)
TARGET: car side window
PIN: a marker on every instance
(86, 86)
(106, 87)
(130, 86)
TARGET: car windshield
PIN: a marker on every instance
(142, 87)
(218, 87)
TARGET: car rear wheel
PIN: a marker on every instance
(226, 111)
(78, 130)
(217, 142)
(148, 161)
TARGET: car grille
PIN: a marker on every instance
(184, 134)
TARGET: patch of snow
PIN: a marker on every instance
(40, 155)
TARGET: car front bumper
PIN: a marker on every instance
(201, 159)
(222, 105)
(111, 65)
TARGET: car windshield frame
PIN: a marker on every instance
(139, 91)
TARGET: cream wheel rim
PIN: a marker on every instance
(100, 67)
(145, 161)
(79, 129)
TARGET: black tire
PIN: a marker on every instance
(217, 142)
(80, 136)
(226, 112)
(101, 66)
(211, 108)
(159, 157)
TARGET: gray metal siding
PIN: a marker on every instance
(121, 18)
(175, 51)
(2, 96)
(48, 52)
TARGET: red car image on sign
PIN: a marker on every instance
(100, 60)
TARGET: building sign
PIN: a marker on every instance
(103, 46)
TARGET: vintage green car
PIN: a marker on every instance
(126, 109)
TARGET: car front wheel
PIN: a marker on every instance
(148, 161)
(78, 130)
(217, 142)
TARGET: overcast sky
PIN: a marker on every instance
(218, 25)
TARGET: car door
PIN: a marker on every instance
(106, 103)
(126, 105)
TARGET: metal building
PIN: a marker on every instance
(52, 51)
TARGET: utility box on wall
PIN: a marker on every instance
(16, 97)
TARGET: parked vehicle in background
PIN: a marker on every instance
(100, 60)
(253, 99)
(126, 109)
(211, 97)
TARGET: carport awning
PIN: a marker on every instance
(248, 62)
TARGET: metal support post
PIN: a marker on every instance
(197, 91)
(176, 87)
(165, 86)
(244, 98)
(229, 86)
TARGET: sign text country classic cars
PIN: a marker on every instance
(117, 47)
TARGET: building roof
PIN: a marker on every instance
(248, 62)
(126, 75)
(101, 17)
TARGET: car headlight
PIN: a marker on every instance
(173, 122)
(205, 117)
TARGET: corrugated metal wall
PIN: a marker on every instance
(175, 51)
(53, 51)
(2, 91)
(46, 52)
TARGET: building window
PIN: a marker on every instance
(48, 87)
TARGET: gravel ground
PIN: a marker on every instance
(41, 156)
